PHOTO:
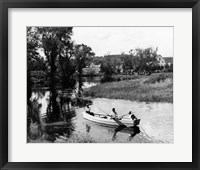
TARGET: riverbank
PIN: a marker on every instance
(154, 88)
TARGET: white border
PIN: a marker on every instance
(180, 151)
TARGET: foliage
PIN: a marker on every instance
(107, 78)
(136, 89)
(83, 55)
(168, 68)
(144, 58)
(62, 59)
(53, 56)
(159, 78)
(58, 49)
(108, 67)
(91, 73)
(141, 61)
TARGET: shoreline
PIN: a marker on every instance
(157, 88)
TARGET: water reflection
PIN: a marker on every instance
(34, 126)
(54, 131)
(132, 130)
(50, 115)
(88, 127)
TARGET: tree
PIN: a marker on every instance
(56, 42)
(57, 45)
(32, 58)
(169, 67)
(144, 59)
(83, 55)
(128, 63)
(107, 66)
(34, 62)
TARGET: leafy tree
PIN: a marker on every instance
(56, 42)
(144, 59)
(83, 55)
(34, 63)
(61, 62)
(168, 67)
(107, 67)
(129, 63)
(57, 45)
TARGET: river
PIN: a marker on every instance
(156, 125)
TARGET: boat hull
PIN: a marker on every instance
(107, 121)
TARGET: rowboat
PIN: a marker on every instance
(106, 120)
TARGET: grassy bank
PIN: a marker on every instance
(155, 88)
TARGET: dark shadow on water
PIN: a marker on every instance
(132, 130)
(53, 132)
(88, 127)
(64, 128)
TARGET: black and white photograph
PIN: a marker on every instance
(105, 84)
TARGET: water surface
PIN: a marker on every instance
(156, 124)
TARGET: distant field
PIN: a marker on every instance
(155, 88)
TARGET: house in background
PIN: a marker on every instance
(161, 60)
(92, 68)
(119, 68)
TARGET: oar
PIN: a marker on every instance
(107, 113)
(124, 115)
(102, 111)
(115, 119)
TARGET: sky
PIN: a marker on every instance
(115, 40)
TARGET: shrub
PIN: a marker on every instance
(106, 78)
(159, 78)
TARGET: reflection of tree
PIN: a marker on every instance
(60, 102)
(64, 127)
(33, 112)
(34, 119)
(65, 105)
(53, 127)
(64, 131)
(40, 93)
(53, 111)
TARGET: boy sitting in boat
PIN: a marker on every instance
(113, 114)
(88, 110)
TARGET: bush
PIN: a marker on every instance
(118, 79)
(159, 78)
(107, 78)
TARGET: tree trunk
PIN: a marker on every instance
(55, 108)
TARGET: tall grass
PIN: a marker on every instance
(109, 78)
(154, 88)
(159, 77)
